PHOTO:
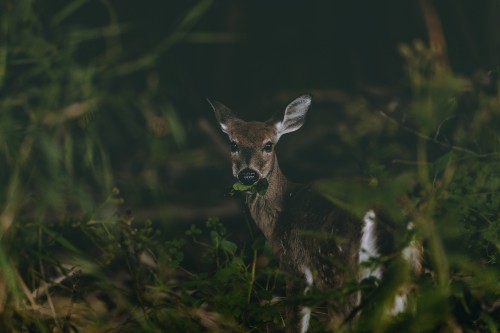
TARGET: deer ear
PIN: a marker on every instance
(223, 114)
(293, 117)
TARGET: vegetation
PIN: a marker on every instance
(85, 123)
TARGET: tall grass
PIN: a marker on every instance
(69, 108)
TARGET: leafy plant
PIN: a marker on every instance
(448, 187)
(259, 187)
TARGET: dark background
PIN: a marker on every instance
(256, 56)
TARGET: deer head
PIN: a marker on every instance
(252, 143)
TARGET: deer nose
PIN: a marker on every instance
(248, 176)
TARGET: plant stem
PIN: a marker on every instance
(252, 276)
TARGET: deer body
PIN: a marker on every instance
(306, 234)
(311, 238)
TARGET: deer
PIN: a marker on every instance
(288, 212)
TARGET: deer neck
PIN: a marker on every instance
(266, 209)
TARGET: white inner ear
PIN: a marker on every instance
(294, 116)
(279, 129)
(223, 128)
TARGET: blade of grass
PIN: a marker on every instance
(61, 240)
(180, 32)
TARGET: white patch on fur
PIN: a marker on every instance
(304, 321)
(399, 304)
(309, 276)
(368, 247)
(410, 226)
(411, 253)
(305, 312)
(223, 128)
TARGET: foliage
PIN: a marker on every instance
(449, 189)
(122, 275)
(259, 187)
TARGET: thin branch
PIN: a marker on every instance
(441, 125)
(44, 287)
(26, 291)
(431, 139)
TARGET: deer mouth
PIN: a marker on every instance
(248, 176)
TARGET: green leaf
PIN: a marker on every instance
(259, 187)
(228, 246)
(214, 235)
(262, 186)
(259, 243)
(238, 186)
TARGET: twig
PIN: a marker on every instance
(44, 287)
(75, 277)
(26, 291)
(49, 299)
(441, 125)
(252, 277)
(428, 138)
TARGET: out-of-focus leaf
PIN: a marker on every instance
(228, 246)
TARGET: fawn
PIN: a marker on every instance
(291, 216)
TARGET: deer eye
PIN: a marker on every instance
(234, 147)
(268, 147)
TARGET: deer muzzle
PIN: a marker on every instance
(248, 176)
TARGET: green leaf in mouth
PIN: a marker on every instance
(259, 187)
